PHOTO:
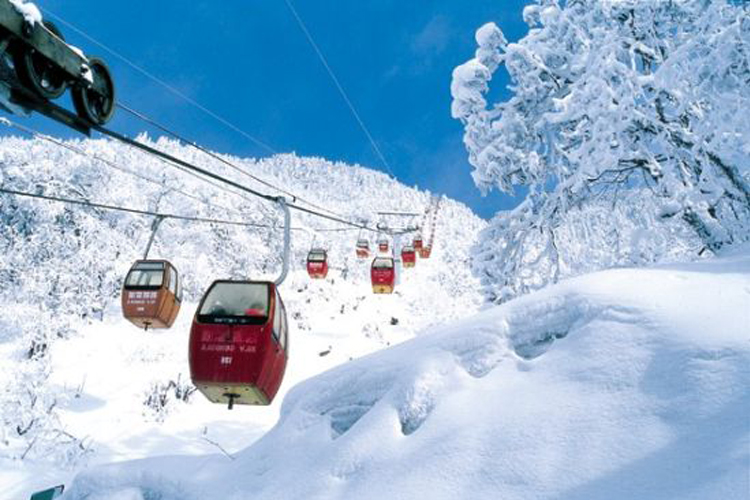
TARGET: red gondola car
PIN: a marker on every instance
(151, 294)
(317, 263)
(239, 343)
(408, 256)
(425, 252)
(383, 275)
(383, 245)
(418, 243)
(363, 248)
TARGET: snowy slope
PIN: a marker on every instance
(623, 384)
(61, 269)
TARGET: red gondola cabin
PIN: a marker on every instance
(363, 249)
(418, 243)
(383, 245)
(151, 294)
(383, 275)
(239, 343)
(408, 256)
(425, 252)
(317, 263)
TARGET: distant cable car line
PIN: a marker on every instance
(149, 213)
(153, 151)
(136, 211)
(181, 163)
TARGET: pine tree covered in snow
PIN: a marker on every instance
(624, 117)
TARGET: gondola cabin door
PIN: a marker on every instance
(151, 294)
(239, 343)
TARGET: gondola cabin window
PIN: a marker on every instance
(236, 303)
(174, 284)
(383, 264)
(146, 274)
(284, 327)
(317, 257)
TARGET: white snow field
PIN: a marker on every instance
(622, 384)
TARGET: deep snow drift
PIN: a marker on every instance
(623, 384)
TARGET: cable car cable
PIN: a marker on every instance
(70, 147)
(136, 211)
(154, 123)
(339, 86)
(150, 213)
(194, 168)
(144, 147)
(224, 121)
(187, 99)
(178, 162)
(159, 81)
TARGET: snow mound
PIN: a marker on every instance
(621, 384)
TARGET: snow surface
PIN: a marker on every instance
(622, 384)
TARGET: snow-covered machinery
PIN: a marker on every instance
(37, 67)
(317, 263)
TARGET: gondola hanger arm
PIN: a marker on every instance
(154, 228)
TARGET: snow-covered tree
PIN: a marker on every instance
(610, 98)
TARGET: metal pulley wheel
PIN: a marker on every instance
(91, 105)
(39, 74)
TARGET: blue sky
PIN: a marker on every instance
(248, 61)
